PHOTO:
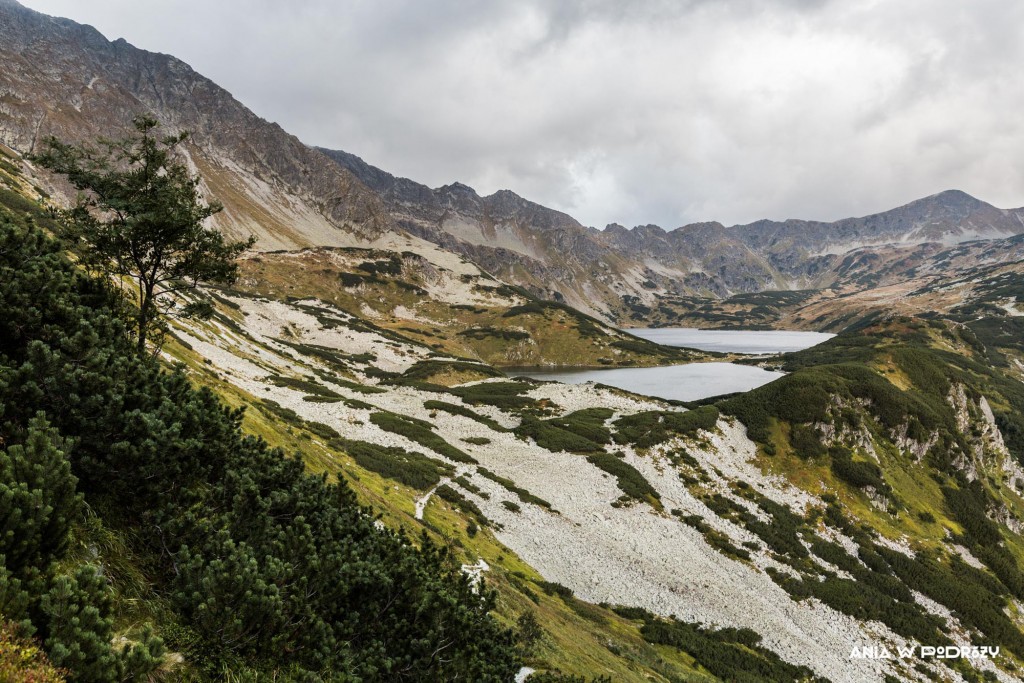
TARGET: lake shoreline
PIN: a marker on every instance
(690, 381)
(686, 382)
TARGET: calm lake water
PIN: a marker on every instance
(696, 380)
(737, 341)
(679, 382)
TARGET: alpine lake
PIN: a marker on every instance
(692, 381)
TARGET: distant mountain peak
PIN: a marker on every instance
(950, 200)
(293, 196)
(282, 191)
(954, 195)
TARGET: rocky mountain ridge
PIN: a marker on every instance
(616, 270)
(65, 79)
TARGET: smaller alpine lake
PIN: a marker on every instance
(692, 381)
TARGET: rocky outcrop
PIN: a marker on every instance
(987, 450)
(917, 450)
(837, 431)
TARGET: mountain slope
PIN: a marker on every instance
(64, 79)
(975, 277)
(299, 351)
(519, 241)
(450, 305)
(847, 473)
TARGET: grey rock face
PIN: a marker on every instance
(64, 79)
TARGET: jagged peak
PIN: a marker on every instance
(650, 227)
(458, 188)
(505, 195)
(349, 157)
(636, 229)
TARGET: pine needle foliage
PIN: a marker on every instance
(252, 565)
(140, 216)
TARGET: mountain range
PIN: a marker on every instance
(65, 79)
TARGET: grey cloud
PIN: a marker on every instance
(628, 111)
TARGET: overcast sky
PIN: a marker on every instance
(628, 111)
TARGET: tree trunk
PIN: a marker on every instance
(143, 322)
(141, 346)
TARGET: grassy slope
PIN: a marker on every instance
(922, 363)
(584, 638)
(573, 643)
(501, 325)
(894, 351)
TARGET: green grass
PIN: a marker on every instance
(716, 539)
(582, 431)
(481, 333)
(730, 654)
(446, 492)
(465, 483)
(427, 371)
(308, 386)
(505, 396)
(463, 411)
(651, 428)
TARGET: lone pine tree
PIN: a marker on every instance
(139, 215)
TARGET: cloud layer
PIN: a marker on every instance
(628, 111)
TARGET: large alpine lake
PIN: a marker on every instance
(695, 380)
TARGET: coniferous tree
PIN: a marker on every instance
(79, 631)
(141, 217)
(226, 526)
(14, 600)
(37, 498)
